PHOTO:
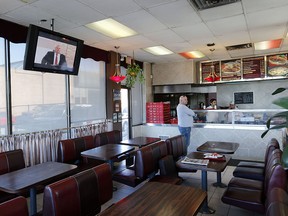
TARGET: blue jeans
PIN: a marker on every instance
(186, 131)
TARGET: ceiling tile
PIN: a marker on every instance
(195, 31)
(74, 11)
(111, 8)
(164, 36)
(267, 18)
(141, 22)
(221, 12)
(259, 5)
(267, 33)
(234, 38)
(227, 25)
(153, 3)
(166, 14)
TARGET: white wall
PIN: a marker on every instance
(174, 73)
(262, 92)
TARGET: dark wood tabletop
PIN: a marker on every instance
(107, 152)
(28, 178)
(155, 198)
(219, 147)
(19, 180)
(213, 166)
(140, 141)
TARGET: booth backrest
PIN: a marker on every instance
(69, 150)
(277, 202)
(272, 145)
(176, 146)
(145, 163)
(14, 207)
(11, 161)
(273, 161)
(110, 137)
(278, 179)
(81, 194)
(159, 151)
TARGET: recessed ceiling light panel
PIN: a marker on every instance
(111, 28)
(158, 50)
(192, 54)
(264, 45)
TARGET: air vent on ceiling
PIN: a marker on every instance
(205, 4)
(239, 46)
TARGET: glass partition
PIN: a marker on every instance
(237, 116)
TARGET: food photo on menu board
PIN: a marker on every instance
(253, 67)
(231, 70)
(210, 71)
(277, 65)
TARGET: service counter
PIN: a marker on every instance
(242, 126)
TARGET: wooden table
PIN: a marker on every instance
(213, 166)
(218, 147)
(108, 152)
(221, 148)
(155, 198)
(140, 141)
(28, 178)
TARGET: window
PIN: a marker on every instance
(38, 99)
(87, 93)
(3, 114)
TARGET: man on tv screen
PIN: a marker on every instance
(54, 58)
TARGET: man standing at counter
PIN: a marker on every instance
(185, 118)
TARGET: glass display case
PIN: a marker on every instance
(237, 116)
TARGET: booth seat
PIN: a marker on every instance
(79, 195)
(14, 207)
(177, 148)
(255, 199)
(10, 161)
(273, 144)
(255, 170)
(109, 137)
(275, 159)
(69, 151)
(148, 160)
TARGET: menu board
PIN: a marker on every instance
(277, 65)
(231, 70)
(207, 71)
(243, 97)
(253, 67)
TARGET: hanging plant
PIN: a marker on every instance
(134, 73)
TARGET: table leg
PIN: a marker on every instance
(111, 166)
(205, 208)
(33, 201)
(219, 181)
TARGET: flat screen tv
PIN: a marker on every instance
(41, 48)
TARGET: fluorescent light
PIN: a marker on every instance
(158, 50)
(111, 28)
(264, 45)
(192, 54)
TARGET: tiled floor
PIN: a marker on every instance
(191, 180)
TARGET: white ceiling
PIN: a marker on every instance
(174, 24)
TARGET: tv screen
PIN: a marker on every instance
(52, 52)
